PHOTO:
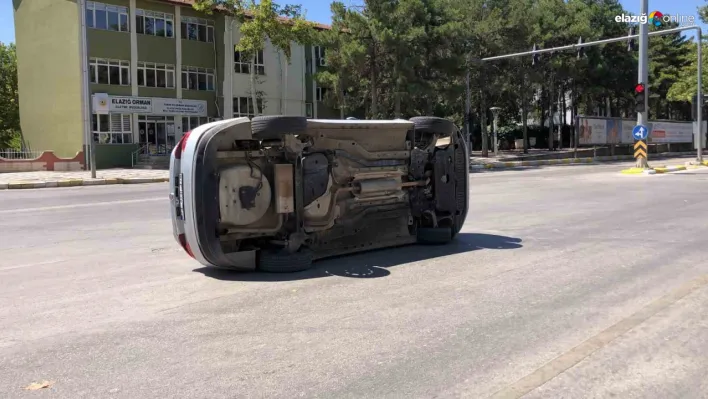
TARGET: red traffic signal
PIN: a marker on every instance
(640, 97)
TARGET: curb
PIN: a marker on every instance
(561, 161)
(653, 171)
(81, 182)
(696, 165)
(669, 169)
(515, 164)
(569, 161)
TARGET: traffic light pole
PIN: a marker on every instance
(699, 105)
(699, 34)
(642, 116)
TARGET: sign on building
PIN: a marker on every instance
(104, 104)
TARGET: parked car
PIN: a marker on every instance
(276, 193)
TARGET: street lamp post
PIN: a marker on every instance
(495, 112)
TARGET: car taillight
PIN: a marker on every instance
(181, 145)
(185, 245)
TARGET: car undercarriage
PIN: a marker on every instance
(283, 191)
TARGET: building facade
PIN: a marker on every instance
(135, 75)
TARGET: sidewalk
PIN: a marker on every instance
(81, 178)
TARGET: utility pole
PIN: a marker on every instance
(699, 96)
(643, 78)
(90, 144)
(483, 117)
(551, 103)
(495, 112)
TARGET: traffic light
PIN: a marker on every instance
(534, 59)
(581, 50)
(640, 94)
(630, 42)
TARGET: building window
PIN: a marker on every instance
(194, 78)
(109, 72)
(192, 122)
(154, 23)
(308, 110)
(320, 56)
(198, 29)
(321, 93)
(112, 128)
(242, 64)
(156, 75)
(107, 17)
(243, 106)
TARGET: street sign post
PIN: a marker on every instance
(641, 91)
(640, 150)
(640, 132)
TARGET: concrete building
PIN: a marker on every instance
(134, 75)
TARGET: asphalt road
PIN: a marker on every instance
(572, 282)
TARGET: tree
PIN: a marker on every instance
(10, 136)
(685, 85)
(703, 13)
(344, 55)
(684, 88)
(262, 22)
(669, 56)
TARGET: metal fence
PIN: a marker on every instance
(11, 153)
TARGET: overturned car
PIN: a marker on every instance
(276, 193)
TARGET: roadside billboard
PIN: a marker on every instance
(627, 127)
(614, 131)
(599, 131)
(671, 132)
(593, 131)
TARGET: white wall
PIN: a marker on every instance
(273, 82)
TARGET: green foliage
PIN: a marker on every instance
(703, 13)
(402, 58)
(10, 136)
(261, 22)
(685, 81)
(684, 88)
(345, 56)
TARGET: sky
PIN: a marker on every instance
(317, 11)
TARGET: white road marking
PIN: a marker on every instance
(88, 205)
(51, 262)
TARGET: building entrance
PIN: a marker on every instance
(156, 134)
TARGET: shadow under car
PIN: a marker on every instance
(373, 264)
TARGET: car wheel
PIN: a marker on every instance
(434, 235)
(285, 262)
(434, 125)
(275, 127)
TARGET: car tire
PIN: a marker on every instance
(275, 127)
(434, 235)
(434, 125)
(285, 262)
